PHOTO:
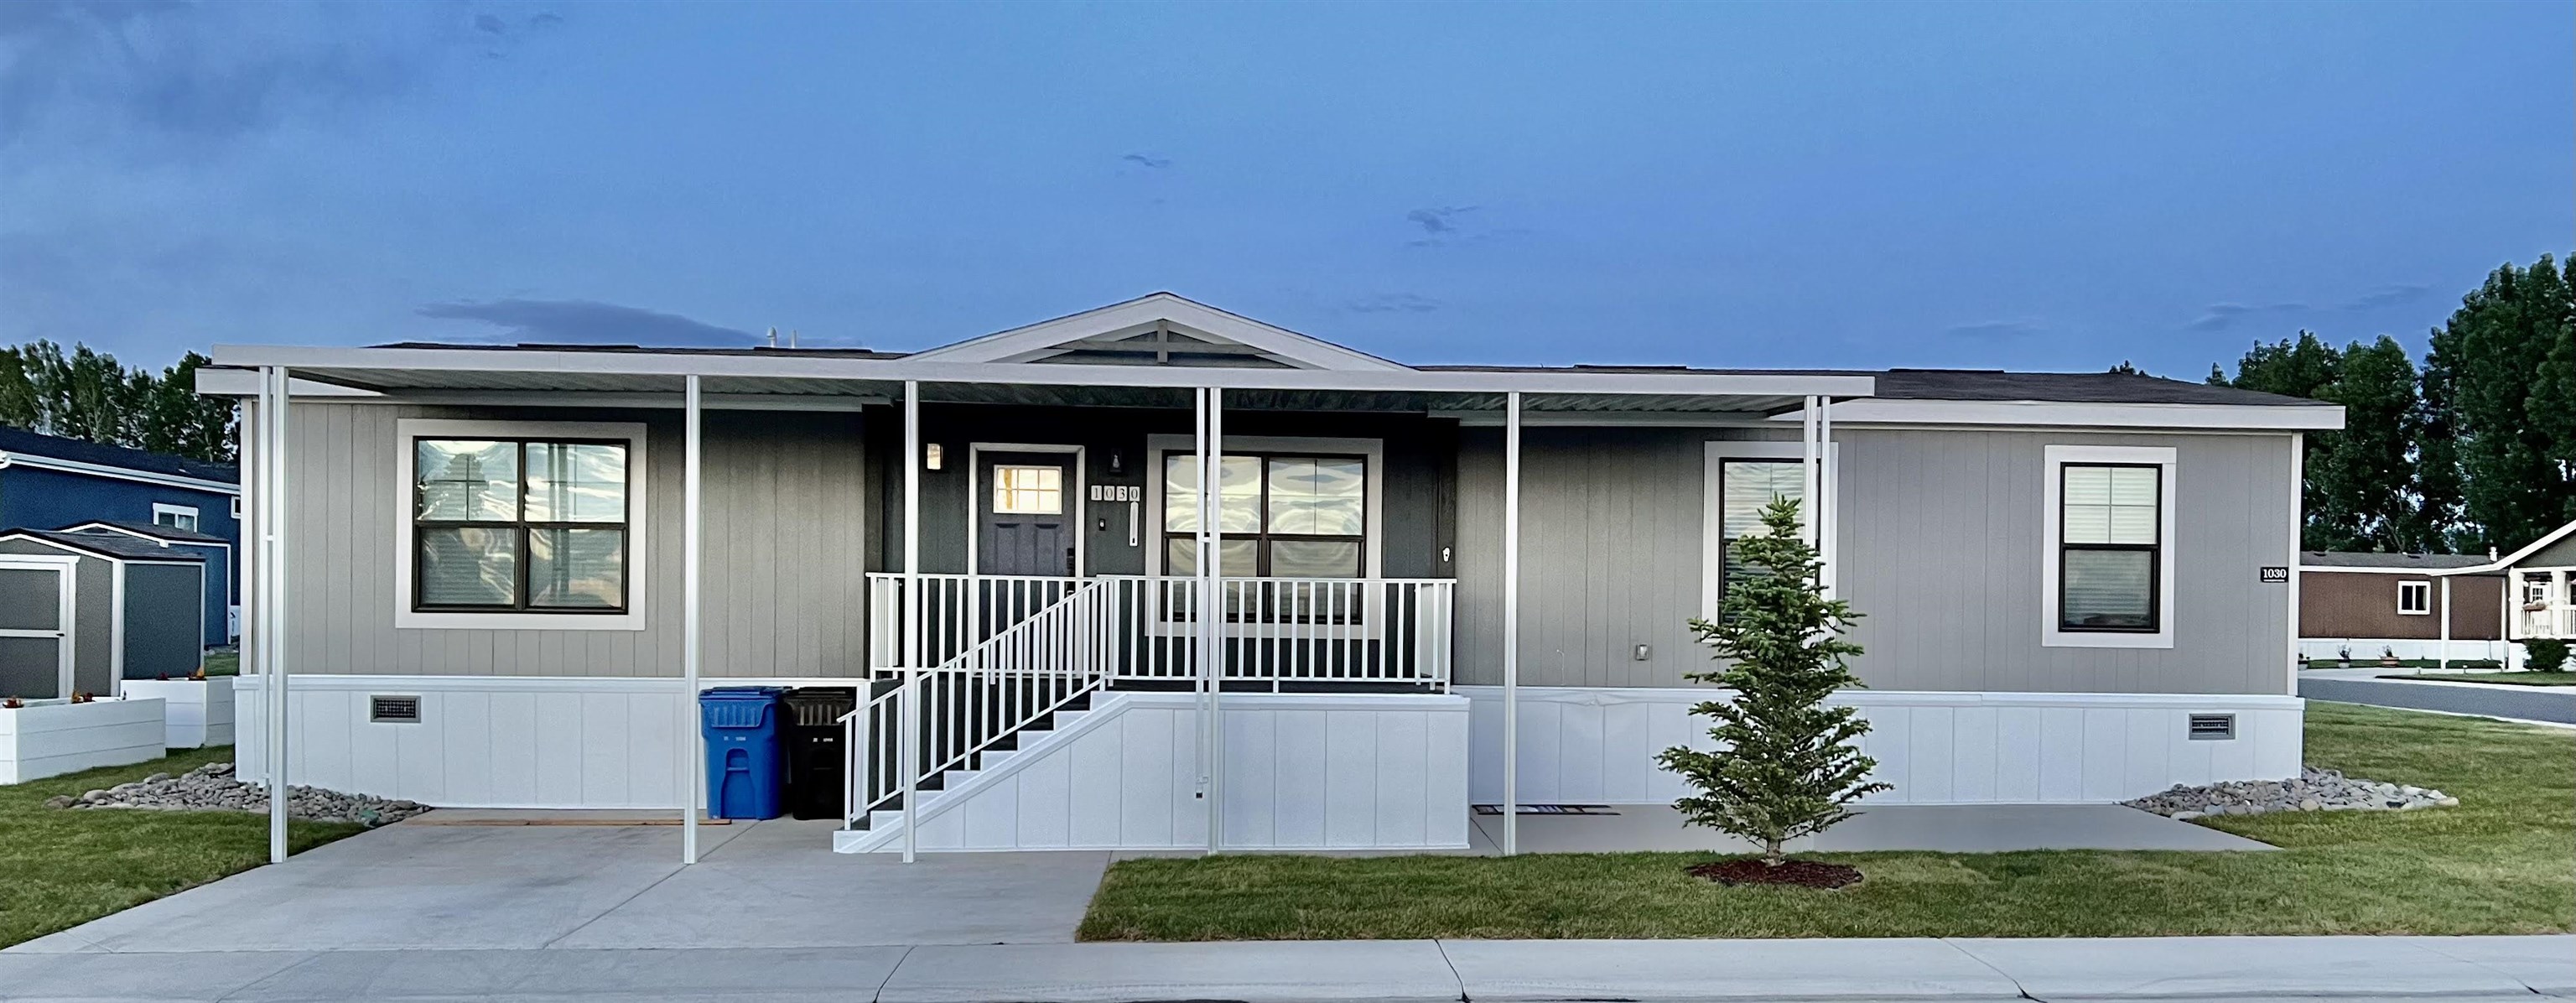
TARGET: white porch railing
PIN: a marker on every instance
(2548, 620)
(1000, 653)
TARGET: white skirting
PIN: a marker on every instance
(1598, 745)
(1302, 771)
(46, 740)
(200, 710)
(2366, 650)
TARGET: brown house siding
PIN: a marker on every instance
(2336, 604)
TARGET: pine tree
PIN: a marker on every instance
(1784, 765)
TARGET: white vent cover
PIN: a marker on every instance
(399, 710)
(2213, 727)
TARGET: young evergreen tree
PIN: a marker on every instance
(1784, 765)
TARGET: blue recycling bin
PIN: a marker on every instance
(745, 771)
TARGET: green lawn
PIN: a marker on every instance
(61, 868)
(224, 663)
(2498, 863)
(2498, 678)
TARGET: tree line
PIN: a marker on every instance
(88, 395)
(2473, 448)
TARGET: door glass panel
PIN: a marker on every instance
(1028, 490)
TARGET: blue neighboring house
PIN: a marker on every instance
(49, 482)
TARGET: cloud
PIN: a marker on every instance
(1996, 330)
(586, 322)
(1392, 303)
(1156, 163)
(2221, 316)
(166, 80)
(1439, 219)
(2387, 296)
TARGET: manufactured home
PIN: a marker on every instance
(1160, 576)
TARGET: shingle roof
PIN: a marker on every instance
(19, 440)
(2359, 559)
(107, 545)
(2087, 388)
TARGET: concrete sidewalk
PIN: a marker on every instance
(2202, 968)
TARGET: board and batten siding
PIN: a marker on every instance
(785, 509)
(1940, 544)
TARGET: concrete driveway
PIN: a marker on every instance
(768, 885)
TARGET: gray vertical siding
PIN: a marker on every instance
(785, 501)
(2556, 555)
(1940, 546)
(162, 605)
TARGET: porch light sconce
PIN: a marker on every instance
(930, 456)
(1114, 466)
(1645, 652)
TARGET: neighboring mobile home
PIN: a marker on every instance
(2412, 606)
(49, 482)
(2077, 587)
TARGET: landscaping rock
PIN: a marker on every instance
(2312, 790)
(212, 788)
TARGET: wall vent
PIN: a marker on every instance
(2213, 726)
(403, 710)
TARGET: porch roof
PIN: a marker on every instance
(822, 374)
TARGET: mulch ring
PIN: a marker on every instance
(1752, 871)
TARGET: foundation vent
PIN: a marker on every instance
(2213, 727)
(398, 710)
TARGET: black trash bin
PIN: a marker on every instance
(814, 756)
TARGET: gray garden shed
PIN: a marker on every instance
(82, 611)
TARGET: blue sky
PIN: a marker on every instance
(2025, 186)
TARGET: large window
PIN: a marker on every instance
(1745, 488)
(2110, 547)
(1277, 516)
(535, 525)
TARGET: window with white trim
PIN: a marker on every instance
(1278, 515)
(175, 516)
(2415, 598)
(2107, 570)
(1744, 488)
(519, 525)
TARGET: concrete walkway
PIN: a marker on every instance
(2545, 704)
(2205, 968)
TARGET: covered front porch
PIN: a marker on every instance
(1151, 516)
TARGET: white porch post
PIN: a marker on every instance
(693, 766)
(273, 644)
(911, 701)
(1829, 510)
(1512, 623)
(1202, 605)
(2442, 657)
(1211, 620)
(1811, 485)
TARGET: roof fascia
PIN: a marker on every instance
(2266, 417)
(1126, 318)
(317, 360)
(9, 459)
(2509, 560)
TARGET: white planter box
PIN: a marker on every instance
(201, 710)
(44, 740)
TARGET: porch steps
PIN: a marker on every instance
(884, 827)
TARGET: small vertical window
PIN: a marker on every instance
(2110, 547)
(2415, 598)
(1745, 488)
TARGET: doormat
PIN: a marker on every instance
(1549, 809)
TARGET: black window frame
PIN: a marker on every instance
(1261, 540)
(1726, 576)
(527, 529)
(2154, 551)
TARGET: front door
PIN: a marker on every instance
(1024, 521)
(35, 628)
